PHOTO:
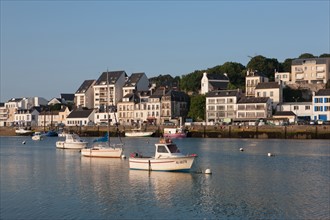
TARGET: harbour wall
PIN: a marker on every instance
(254, 132)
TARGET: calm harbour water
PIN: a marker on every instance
(39, 181)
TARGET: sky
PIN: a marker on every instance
(51, 47)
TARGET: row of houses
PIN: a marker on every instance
(135, 101)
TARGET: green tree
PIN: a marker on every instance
(197, 107)
(192, 81)
(286, 65)
(306, 55)
(324, 55)
(264, 65)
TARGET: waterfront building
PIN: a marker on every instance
(321, 105)
(252, 108)
(84, 96)
(80, 117)
(48, 118)
(214, 81)
(273, 90)
(302, 110)
(286, 116)
(26, 118)
(174, 106)
(109, 86)
(3, 114)
(252, 79)
(222, 105)
(310, 70)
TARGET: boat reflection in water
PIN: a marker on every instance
(165, 186)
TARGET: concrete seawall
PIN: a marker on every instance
(258, 132)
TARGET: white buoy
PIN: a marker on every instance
(270, 155)
(208, 171)
(24, 142)
(123, 156)
(241, 149)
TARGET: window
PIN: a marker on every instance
(271, 94)
(296, 107)
(264, 94)
(307, 107)
(326, 100)
(326, 108)
(161, 149)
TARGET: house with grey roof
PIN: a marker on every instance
(84, 96)
(80, 117)
(252, 108)
(136, 82)
(108, 88)
(221, 105)
(214, 81)
(273, 90)
(174, 106)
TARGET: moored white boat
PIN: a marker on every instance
(100, 150)
(174, 133)
(167, 158)
(37, 136)
(23, 131)
(138, 133)
(72, 141)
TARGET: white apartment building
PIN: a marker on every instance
(321, 105)
(252, 79)
(221, 105)
(48, 118)
(252, 108)
(135, 83)
(311, 70)
(84, 96)
(80, 117)
(109, 86)
(3, 115)
(26, 118)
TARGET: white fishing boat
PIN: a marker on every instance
(167, 158)
(37, 136)
(72, 141)
(138, 133)
(102, 146)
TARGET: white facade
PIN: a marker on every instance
(273, 90)
(252, 79)
(321, 105)
(300, 109)
(26, 118)
(102, 117)
(84, 96)
(48, 118)
(254, 108)
(285, 77)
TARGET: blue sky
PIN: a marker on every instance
(51, 47)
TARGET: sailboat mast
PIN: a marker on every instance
(108, 108)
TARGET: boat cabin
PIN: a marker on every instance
(166, 148)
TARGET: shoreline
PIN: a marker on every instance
(252, 132)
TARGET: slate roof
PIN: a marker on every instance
(216, 76)
(134, 79)
(323, 92)
(250, 99)
(256, 73)
(219, 85)
(222, 93)
(85, 86)
(157, 94)
(322, 60)
(177, 96)
(268, 85)
(80, 113)
(113, 76)
(284, 113)
(67, 96)
(15, 100)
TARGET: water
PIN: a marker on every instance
(39, 181)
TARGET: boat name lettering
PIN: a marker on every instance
(181, 162)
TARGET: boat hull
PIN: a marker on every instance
(64, 145)
(178, 135)
(138, 134)
(162, 164)
(102, 152)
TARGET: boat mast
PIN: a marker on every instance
(108, 108)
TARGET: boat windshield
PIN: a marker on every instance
(173, 148)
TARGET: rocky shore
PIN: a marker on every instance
(258, 132)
